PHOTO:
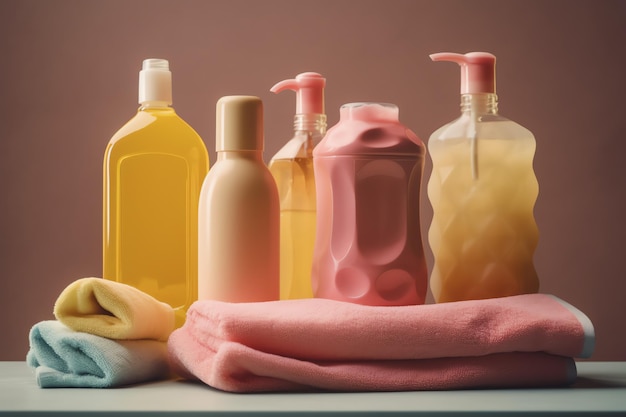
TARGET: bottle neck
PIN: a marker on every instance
(483, 103)
(313, 123)
(252, 155)
(155, 105)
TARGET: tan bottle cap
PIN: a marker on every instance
(239, 123)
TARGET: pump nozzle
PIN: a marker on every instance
(478, 70)
(309, 88)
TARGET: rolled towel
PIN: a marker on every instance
(63, 357)
(526, 340)
(322, 329)
(113, 310)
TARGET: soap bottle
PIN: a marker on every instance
(239, 214)
(292, 168)
(153, 170)
(482, 190)
(368, 247)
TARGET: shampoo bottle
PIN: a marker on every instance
(368, 247)
(292, 168)
(482, 190)
(153, 170)
(239, 215)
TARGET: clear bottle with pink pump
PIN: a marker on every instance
(368, 171)
(482, 190)
(292, 168)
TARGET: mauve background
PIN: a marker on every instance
(68, 81)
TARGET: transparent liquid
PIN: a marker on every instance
(296, 189)
(483, 234)
(153, 170)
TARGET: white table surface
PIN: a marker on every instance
(599, 390)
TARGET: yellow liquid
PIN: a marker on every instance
(153, 171)
(483, 232)
(296, 191)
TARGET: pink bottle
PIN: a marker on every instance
(368, 247)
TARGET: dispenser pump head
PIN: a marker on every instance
(309, 88)
(478, 70)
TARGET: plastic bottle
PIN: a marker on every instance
(153, 170)
(292, 168)
(483, 190)
(368, 246)
(239, 214)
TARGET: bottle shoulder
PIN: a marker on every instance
(371, 141)
(239, 170)
(488, 126)
(155, 132)
(299, 146)
(238, 177)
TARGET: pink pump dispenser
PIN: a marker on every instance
(292, 168)
(478, 70)
(309, 88)
(483, 190)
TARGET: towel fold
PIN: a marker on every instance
(526, 340)
(67, 358)
(113, 310)
(238, 368)
(322, 329)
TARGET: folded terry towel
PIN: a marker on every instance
(113, 310)
(63, 357)
(316, 343)
(324, 329)
(238, 368)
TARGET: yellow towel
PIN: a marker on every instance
(113, 310)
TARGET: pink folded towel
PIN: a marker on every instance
(526, 340)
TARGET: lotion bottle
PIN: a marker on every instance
(239, 224)
(482, 189)
(368, 247)
(292, 168)
(153, 170)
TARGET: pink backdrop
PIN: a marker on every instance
(68, 81)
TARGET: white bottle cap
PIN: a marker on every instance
(155, 82)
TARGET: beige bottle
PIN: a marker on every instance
(239, 214)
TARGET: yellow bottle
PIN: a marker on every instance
(153, 171)
(292, 169)
(483, 190)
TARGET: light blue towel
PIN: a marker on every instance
(63, 357)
